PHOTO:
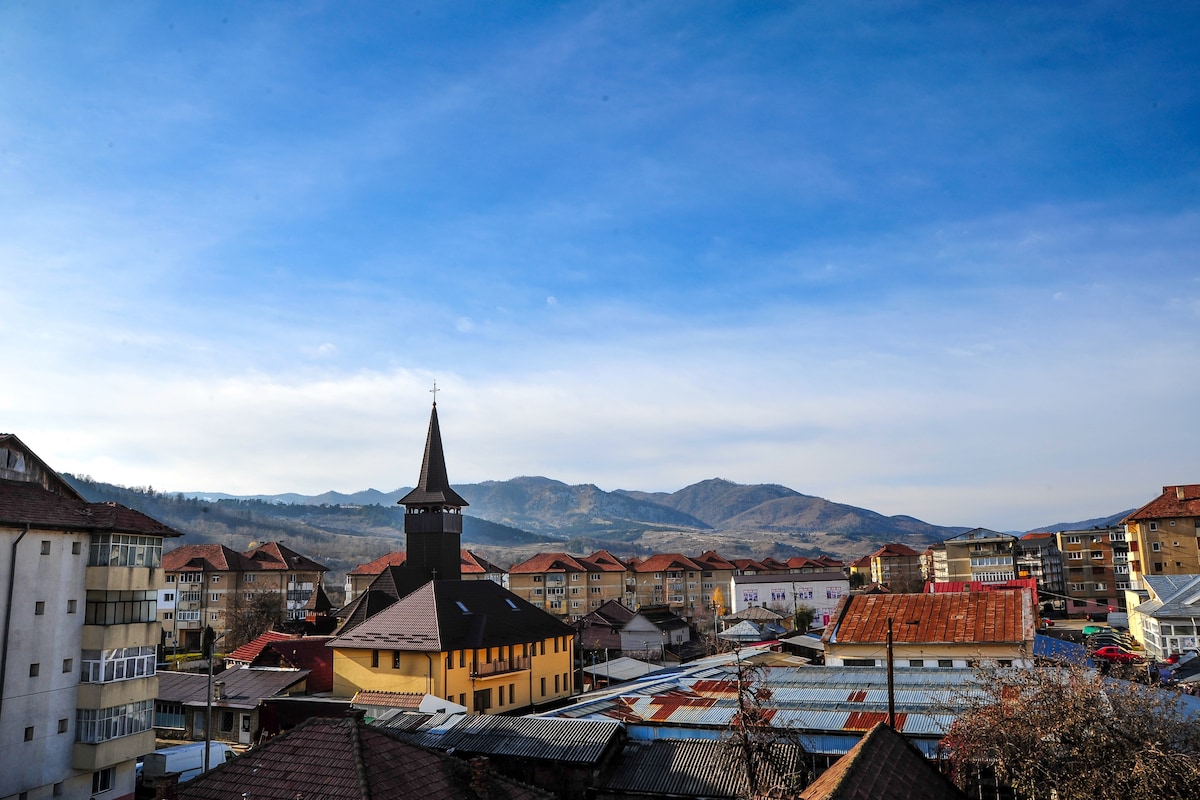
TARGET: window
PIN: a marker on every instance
(1097, 555)
(102, 780)
(859, 662)
(537, 592)
(191, 577)
(556, 689)
(1153, 526)
(537, 578)
(122, 550)
(1100, 587)
(168, 616)
(62, 725)
(1075, 555)
(216, 578)
(1072, 540)
(213, 617)
(45, 547)
(594, 576)
(76, 548)
(574, 577)
(29, 734)
(121, 608)
(543, 687)
(34, 669)
(189, 616)
(374, 659)
(249, 578)
(68, 664)
(658, 576)
(93, 726)
(122, 663)
(1005, 662)
(168, 597)
(170, 578)
(39, 608)
(71, 605)
(946, 663)
(395, 659)
(916, 662)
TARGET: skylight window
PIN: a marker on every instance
(511, 604)
(462, 607)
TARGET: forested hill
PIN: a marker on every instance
(340, 537)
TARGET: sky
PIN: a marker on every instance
(932, 259)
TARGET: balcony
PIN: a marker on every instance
(91, 757)
(499, 666)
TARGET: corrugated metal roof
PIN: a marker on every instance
(575, 741)
(694, 768)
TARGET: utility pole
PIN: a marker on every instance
(891, 678)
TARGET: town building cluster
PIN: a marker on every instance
(565, 675)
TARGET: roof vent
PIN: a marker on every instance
(1179, 493)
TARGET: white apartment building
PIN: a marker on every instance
(78, 635)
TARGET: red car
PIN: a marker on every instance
(1116, 654)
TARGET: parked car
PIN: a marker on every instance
(1047, 622)
(1118, 655)
(1088, 630)
(186, 759)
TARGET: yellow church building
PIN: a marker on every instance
(472, 642)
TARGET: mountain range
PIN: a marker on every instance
(507, 521)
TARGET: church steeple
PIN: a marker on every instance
(433, 487)
(433, 517)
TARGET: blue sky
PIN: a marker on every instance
(936, 259)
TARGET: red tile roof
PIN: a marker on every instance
(957, 618)
(711, 559)
(1169, 504)
(548, 562)
(662, 562)
(473, 564)
(276, 556)
(894, 550)
(250, 650)
(344, 759)
(206, 557)
(605, 561)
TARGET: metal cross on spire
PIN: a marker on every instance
(435, 390)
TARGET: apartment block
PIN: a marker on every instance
(1163, 535)
(207, 585)
(975, 556)
(474, 568)
(1096, 569)
(569, 587)
(77, 675)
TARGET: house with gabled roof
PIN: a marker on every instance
(1166, 622)
(655, 632)
(946, 630)
(898, 567)
(208, 585)
(884, 765)
(420, 628)
(238, 696)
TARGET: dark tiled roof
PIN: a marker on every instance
(661, 617)
(958, 617)
(454, 615)
(1168, 504)
(244, 688)
(24, 502)
(343, 759)
(318, 601)
(433, 487)
(695, 768)
(882, 766)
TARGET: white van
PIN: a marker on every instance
(186, 759)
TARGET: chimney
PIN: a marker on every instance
(167, 787)
(481, 772)
(218, 690)
(1179, 493)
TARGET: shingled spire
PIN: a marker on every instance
(433, 488)
(432, 518)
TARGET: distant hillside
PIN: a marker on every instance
(1087, 524)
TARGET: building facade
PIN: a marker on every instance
(1096, 569)
(1163, 535)
(788, 594)
(1039, 558)
(978, 555)
(569, 587)
(209, 585)
(898, 567)
(77, 675)
(474, 567)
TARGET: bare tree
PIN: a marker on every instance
(251, 618)
(1071, 734)
(759, 745)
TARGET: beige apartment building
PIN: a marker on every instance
(208, 584)
(898, 567)
(80, 632)
(569, 587)
(1163, 535)
(1096, 569)
(978, 555)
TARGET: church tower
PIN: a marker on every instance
(433, 516)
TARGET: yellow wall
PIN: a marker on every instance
(522, 688)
